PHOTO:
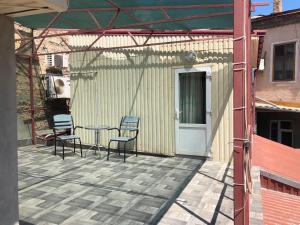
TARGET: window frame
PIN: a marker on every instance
(280, 130)
(272, 56)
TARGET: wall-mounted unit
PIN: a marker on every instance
(16, 8)
(57, 60)
(57, 86)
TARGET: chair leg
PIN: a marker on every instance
(55, 146)
(124, 151)
(136, 147)
(80, 147)
(63, 144)
(74, 145)
(119, 149)
(108, 150)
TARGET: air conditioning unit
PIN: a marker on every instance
(16, 8)
(57, 60)
(57, 86)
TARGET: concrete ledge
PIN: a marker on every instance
(24, 142)
(256, 212)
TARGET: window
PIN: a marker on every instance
(282, 131)
(284, 62)
(192, 102)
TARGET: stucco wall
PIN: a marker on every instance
(279, 91)
(8, 125)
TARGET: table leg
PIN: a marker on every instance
(96, 146)
(97, 141)
(89, 150)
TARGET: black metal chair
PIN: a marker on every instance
(65, 122)
(127, 124)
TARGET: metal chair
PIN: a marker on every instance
(65, 122)
(130, 124)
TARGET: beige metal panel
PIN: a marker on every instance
(140, 81)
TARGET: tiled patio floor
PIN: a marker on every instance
(206, 200)
(89, 191)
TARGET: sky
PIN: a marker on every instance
(266, 10)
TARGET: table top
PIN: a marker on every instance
(96, 127)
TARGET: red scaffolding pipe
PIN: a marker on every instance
(150, 35)
(89, 48)
(241, 104)
(137, 32)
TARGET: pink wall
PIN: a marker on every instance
(279, 91)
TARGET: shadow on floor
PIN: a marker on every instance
(204, 213)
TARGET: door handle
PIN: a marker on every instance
(177, 114)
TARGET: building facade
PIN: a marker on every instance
(278, 79)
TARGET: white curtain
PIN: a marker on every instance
(192, 98)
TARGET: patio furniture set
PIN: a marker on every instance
(65, 122)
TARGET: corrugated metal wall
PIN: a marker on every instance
(140, 81)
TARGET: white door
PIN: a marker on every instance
(193, 111)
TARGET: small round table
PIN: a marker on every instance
(97, 130)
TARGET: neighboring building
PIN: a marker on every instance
(44, 110)
(278, 78)
(23, 90)
(54, 44)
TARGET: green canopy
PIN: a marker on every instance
(138, 14)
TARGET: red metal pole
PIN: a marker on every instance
(242, 67)
(137, 32)
(249, 108)
(131, 46)
(32, 108)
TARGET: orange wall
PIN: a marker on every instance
(279, 91)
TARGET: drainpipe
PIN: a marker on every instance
(254, 73)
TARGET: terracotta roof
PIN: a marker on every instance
(280, 208)
(276, 158)
(284, 162)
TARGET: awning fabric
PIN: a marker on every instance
(131, 13)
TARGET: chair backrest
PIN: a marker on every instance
(63, 122)
(130, 121)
